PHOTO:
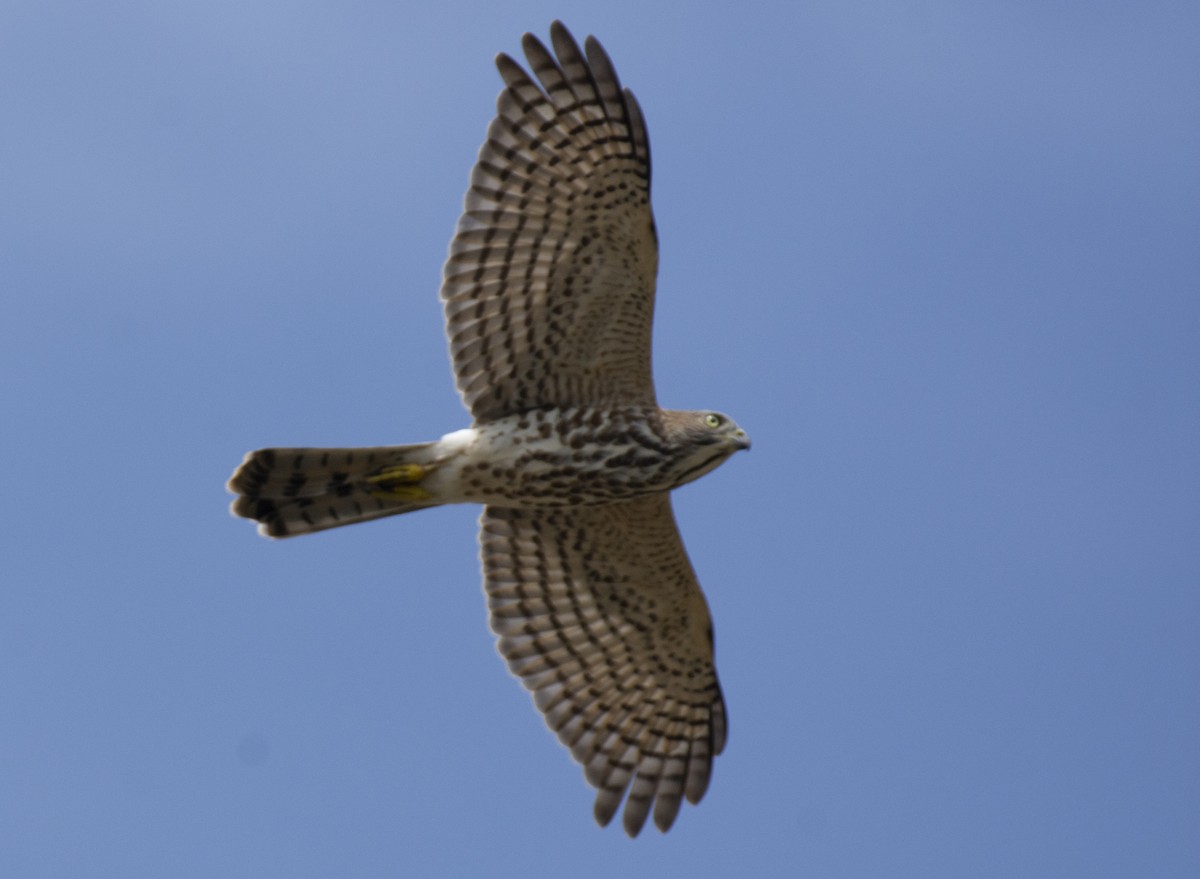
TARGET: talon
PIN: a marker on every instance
(400, 474)
(400, 483)
(401, 493)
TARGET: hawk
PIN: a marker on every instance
(549, 296)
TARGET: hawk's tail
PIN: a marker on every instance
(298, 491)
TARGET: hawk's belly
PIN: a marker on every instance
(559, 457)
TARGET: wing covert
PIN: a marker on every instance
(549, 287)
(599, 614)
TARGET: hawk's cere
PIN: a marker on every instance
(549, 296)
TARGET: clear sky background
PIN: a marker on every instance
(941, 260)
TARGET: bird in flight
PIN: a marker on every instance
(549, 298)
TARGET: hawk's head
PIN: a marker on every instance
(702, 440)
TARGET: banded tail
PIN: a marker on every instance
(299, 491)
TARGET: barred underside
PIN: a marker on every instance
(548, 294)
(549, 287)
(598, 612)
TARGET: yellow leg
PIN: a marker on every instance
(400, 483)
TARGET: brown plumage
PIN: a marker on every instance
(549, 299)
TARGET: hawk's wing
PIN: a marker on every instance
(549, 287)
(600, 615)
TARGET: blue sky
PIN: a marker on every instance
(941, 260)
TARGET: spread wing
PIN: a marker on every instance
(599, 614)
(549, 286)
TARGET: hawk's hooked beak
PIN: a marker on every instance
(742, 439)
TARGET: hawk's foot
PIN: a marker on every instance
(400, 483)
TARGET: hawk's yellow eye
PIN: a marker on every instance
(712, 420)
